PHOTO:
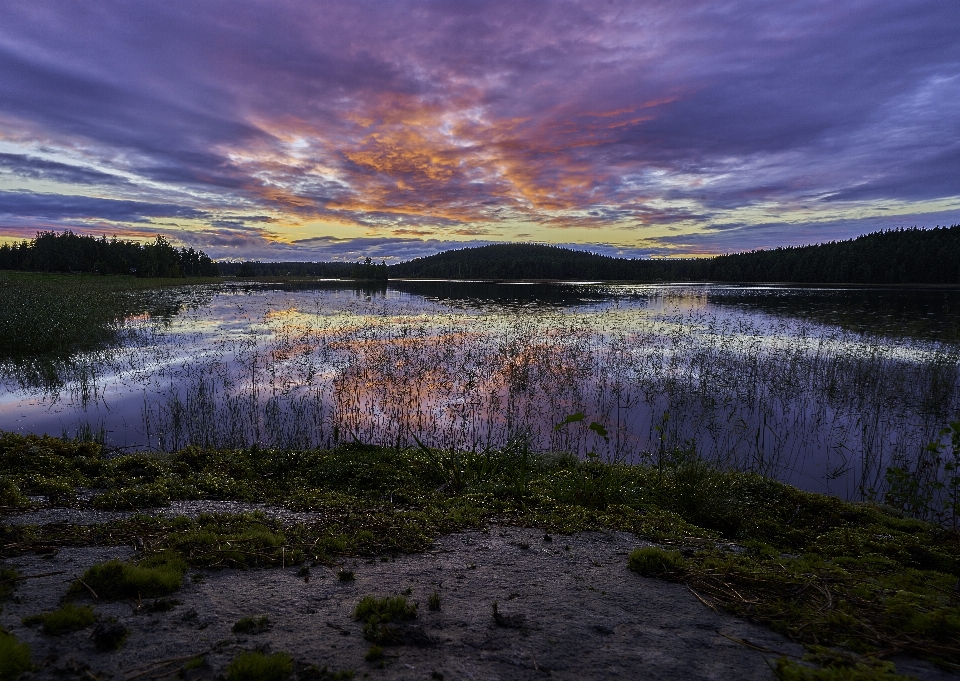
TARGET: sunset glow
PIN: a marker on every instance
(289, 130)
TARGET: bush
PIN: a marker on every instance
(114, 580)
(258, 666)
(652, 561)
(63, 621)
(14, 657)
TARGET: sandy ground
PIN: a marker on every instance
(574, 612)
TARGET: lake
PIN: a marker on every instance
(820, 387)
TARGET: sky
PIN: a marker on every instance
(338, 129)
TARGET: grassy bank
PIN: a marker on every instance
(821, 571)
(56, 314)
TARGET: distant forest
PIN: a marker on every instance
(69, 252)
(903, 256)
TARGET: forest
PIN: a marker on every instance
(69, 252)
(902, 256)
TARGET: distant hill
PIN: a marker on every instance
(903, 256)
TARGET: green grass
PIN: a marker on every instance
(258, 666)
(823, 664)
(818, 569)
(158, 575)
(14, 657)
(67, 619)
(56, 314)
(251, 625)
(652, 561)
(9, 577)
(379, 615)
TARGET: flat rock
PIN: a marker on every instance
(569, 609)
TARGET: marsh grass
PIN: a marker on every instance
(68, 618)
(57, 314)
(381, 617)
(652, 561)
(823, 664)
(251, 625)
(158, 575)
(259, 666)
(15, 657)
(820, 570)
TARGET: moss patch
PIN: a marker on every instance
(156, 576)
(14, 657)
(380, 617)
(258, 666)
(68, 618)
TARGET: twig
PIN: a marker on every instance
(701, 598)
(89, 588)
(155, 666)
(25, 577)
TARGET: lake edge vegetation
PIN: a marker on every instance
(859, 577)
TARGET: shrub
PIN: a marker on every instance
(652, 561)
(63, 621)
(159, 575)
(258, 666)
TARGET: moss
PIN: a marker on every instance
(258, 666)
(823, 664)
(251, 625)
(380, 615)
(14, 657)
(10, 494)
(68, 618)
(9, 578)
(652, 561)
(156, 576)
(892, 574)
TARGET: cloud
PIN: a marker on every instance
(56, 206)
(34, 168)
(434, 118)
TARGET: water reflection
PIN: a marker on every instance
(812, 385)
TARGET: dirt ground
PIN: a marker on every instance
(570, 609)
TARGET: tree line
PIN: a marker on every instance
(69, 252)
(902, 256)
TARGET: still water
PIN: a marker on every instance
(820, 387)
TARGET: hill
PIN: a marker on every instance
(903, 256)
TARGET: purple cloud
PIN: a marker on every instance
(425, 120)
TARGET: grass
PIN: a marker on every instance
(652, 561)
(57, 314)
(433, 603)
(68, 618)
(823, 664)
(251, 625)
(155, 576)
(14, 657)
(258, 666)
(380, 617)
(859, 576)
